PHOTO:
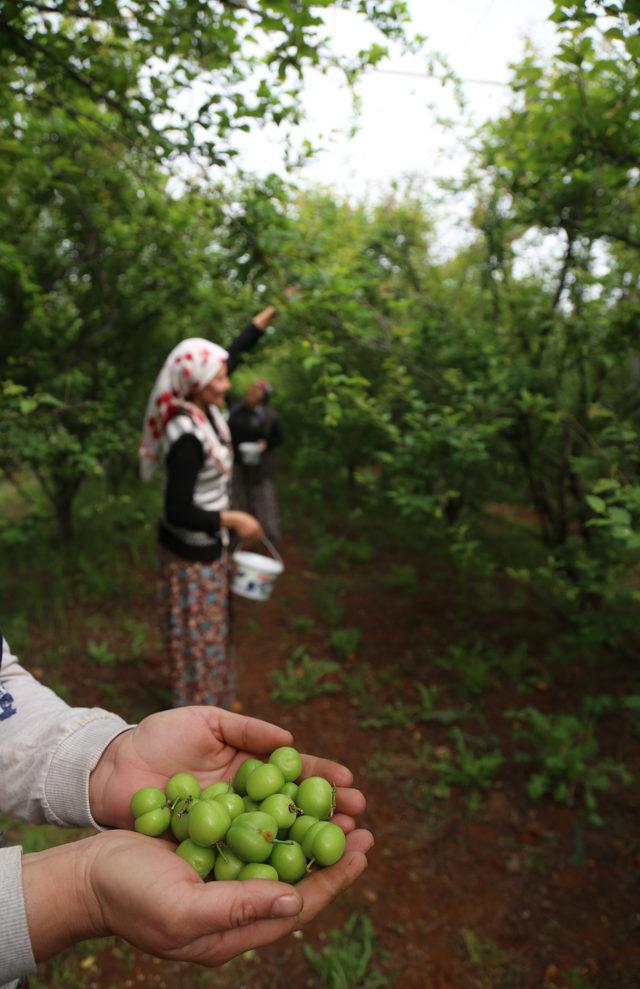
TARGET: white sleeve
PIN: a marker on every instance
(16, 955)
(47, 749)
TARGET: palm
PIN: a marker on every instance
(203, 740)
(172, 741)
(155, 883)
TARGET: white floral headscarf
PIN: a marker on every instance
(189, 367)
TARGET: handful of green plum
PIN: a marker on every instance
(262, 825)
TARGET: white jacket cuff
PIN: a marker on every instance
(66, 787)
(16, 956)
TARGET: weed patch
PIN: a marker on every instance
(303, 678)
(348, 958)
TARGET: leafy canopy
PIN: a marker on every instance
(178, 76)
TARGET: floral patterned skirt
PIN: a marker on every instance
(194, 599)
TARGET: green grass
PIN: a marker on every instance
(114, 541)
(348, 960)
(38, 837)
(77, 967)
(488, 960)
(303, 678)
(344, 641)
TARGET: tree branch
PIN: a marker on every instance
(66, 11)
(67, 69)
(566, 265)
(622, 237)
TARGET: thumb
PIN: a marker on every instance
(238, 904)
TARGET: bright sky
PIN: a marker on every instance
(398, 133)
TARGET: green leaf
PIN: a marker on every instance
(620, 516)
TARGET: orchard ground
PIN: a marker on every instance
(507, 894)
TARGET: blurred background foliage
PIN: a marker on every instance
(425, 392)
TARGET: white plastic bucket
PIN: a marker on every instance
(254, 574)
(250, 453)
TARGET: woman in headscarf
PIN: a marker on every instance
(185, 431)
(256, 432)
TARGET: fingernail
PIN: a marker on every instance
(286, 906)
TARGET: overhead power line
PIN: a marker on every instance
(479, 22)
(429, 75)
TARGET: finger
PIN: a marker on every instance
(349, 801)
(250, 735)
(322, 887)
(332, 771)
(360, 841)
(231, 905)
(344, 821)
(237, 916)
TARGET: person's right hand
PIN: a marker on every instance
(245, 525)
(125, 884)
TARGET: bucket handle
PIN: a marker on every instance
(270, 547)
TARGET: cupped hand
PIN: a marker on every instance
(208, 742)
(142, 891)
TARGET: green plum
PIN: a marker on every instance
(147, 799)
(328, 844)
(251, 836)
(209, 821)
(201, 859)
(182, 785)
(263, 781)
(279, 806)
(309, 838)
(228, 865)
(289, 861)
(180, 820)
(154, 822)
(288, 761)
(257, 870)
(214, 789)
(300, 827)
(290, 790)
(244, 770)
(316, 796)
(232, 802)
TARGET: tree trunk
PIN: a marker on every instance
(64, 493)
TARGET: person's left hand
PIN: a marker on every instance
(208, 742)
(126, 884)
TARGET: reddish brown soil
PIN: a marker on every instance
(499, 900)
